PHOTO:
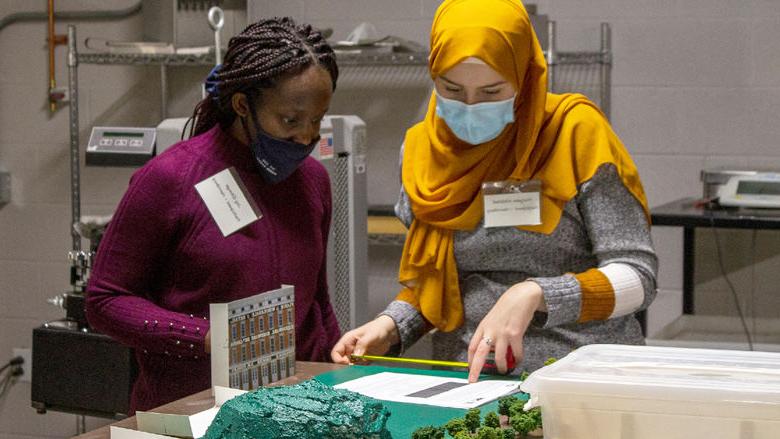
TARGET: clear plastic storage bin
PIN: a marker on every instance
(645, 392)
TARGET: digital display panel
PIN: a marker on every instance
(121, 134)
(758, 188)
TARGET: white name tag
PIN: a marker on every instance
(520, 209)
(228, 201)
(509, 203)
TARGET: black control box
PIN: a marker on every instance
(80, 372)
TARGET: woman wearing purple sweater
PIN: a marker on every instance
(163, 258)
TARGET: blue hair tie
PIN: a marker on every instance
(212, 84)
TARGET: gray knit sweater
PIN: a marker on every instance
(603, 224)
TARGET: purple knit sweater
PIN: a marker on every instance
(163, 260)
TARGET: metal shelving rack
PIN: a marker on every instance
(584, 72)
(173, 59)
(385, 59)
(178, 59)
(74, 59)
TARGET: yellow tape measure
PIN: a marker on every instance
(411, 360)
(489, 366)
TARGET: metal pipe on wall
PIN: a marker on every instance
(51, 15)
(71, 15)
(53, 40)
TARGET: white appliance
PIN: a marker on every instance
(342, 149)
(120, 146)
(760, 190)
(169, 132)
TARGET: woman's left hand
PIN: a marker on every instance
(504, 326)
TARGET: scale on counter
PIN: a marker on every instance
(759, 190)
(120, 146)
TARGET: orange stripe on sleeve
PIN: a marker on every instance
(598, 297)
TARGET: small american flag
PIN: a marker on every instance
(326, 147)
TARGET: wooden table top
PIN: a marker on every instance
(204, 400)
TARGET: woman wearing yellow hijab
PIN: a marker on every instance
(528, 225)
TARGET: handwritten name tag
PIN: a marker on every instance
(511, 203)
(228, 201)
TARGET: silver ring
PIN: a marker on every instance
(488, 340)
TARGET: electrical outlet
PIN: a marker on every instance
(25, 353)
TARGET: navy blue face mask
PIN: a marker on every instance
(277, 158)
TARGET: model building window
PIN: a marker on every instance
(280, 314)
(273, 345)
(243, 353)
(245, 380)
(289, 316)
(252, 353)
(261, 323)
(254, 377)
(262, 347)
(243, 329)
(251, 326)
(233, 331)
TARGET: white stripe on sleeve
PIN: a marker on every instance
(629, 293)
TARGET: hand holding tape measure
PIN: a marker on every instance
(500, 332)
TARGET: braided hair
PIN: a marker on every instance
(255, 60)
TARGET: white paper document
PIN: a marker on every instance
(430, 390)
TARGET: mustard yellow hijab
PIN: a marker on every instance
(558, 139)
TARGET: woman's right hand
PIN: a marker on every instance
(374, 338)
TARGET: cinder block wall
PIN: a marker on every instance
(695, 84)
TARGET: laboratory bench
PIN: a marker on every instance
(203, 400)
(405, 419)
(411, 418)
(692, 213)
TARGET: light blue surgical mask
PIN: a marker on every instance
(476, 123)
